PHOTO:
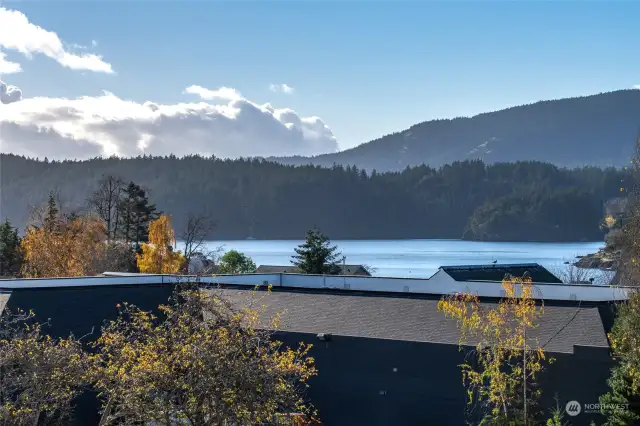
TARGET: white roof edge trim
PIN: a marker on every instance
(434, 285)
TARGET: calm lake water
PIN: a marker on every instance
(418, 258)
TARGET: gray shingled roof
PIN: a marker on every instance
(376, 316)
(411, 319)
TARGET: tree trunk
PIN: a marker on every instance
(37, 415)
(524, 374)
(105, 414)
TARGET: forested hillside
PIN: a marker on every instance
(252, 198)
(591, 130)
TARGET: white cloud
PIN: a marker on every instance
(77, 46)
(637, 87)
(105, 125)
(8, 67)
(9, 94)
(283, 88)
(17, 33)
(82, 46)
(223, 93)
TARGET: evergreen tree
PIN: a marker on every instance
(51, 218)
(620, 403)
(10, 258)
(136, 213)
(316, 255)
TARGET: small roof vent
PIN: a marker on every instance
(324, 337)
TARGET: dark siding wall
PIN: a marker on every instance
(580, 377)
(77, 311)
(357, 385)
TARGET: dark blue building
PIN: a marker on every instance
(383, 358)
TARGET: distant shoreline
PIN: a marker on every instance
(421, 239)
(416, 258)
(602, 259)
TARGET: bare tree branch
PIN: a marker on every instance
(194, 235)
(570, 274)
(105, 201)
(39, 377)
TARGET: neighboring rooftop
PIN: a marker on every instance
(275, 269)
(497, 272)
(344, 270)
(415, 319)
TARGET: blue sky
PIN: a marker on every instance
(366, 68)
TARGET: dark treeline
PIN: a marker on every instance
(528, 201)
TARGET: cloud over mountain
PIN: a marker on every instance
(18, 34)
(109, 125)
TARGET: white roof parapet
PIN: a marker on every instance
(438, 284)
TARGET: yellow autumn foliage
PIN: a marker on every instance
(198, 361)
(68, 249)
(506, 355)
(158, 256)
(609, 221)
(40, 377)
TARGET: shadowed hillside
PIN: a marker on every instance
(591, 130)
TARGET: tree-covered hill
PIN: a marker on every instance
(253, 198)
(575, 132)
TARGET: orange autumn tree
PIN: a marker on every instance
(158, 256)
(502, 374)
(66, 247)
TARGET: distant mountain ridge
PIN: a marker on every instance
(595, 130)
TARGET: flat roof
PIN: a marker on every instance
(436, 285)
(498, 271)
(492, 265)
